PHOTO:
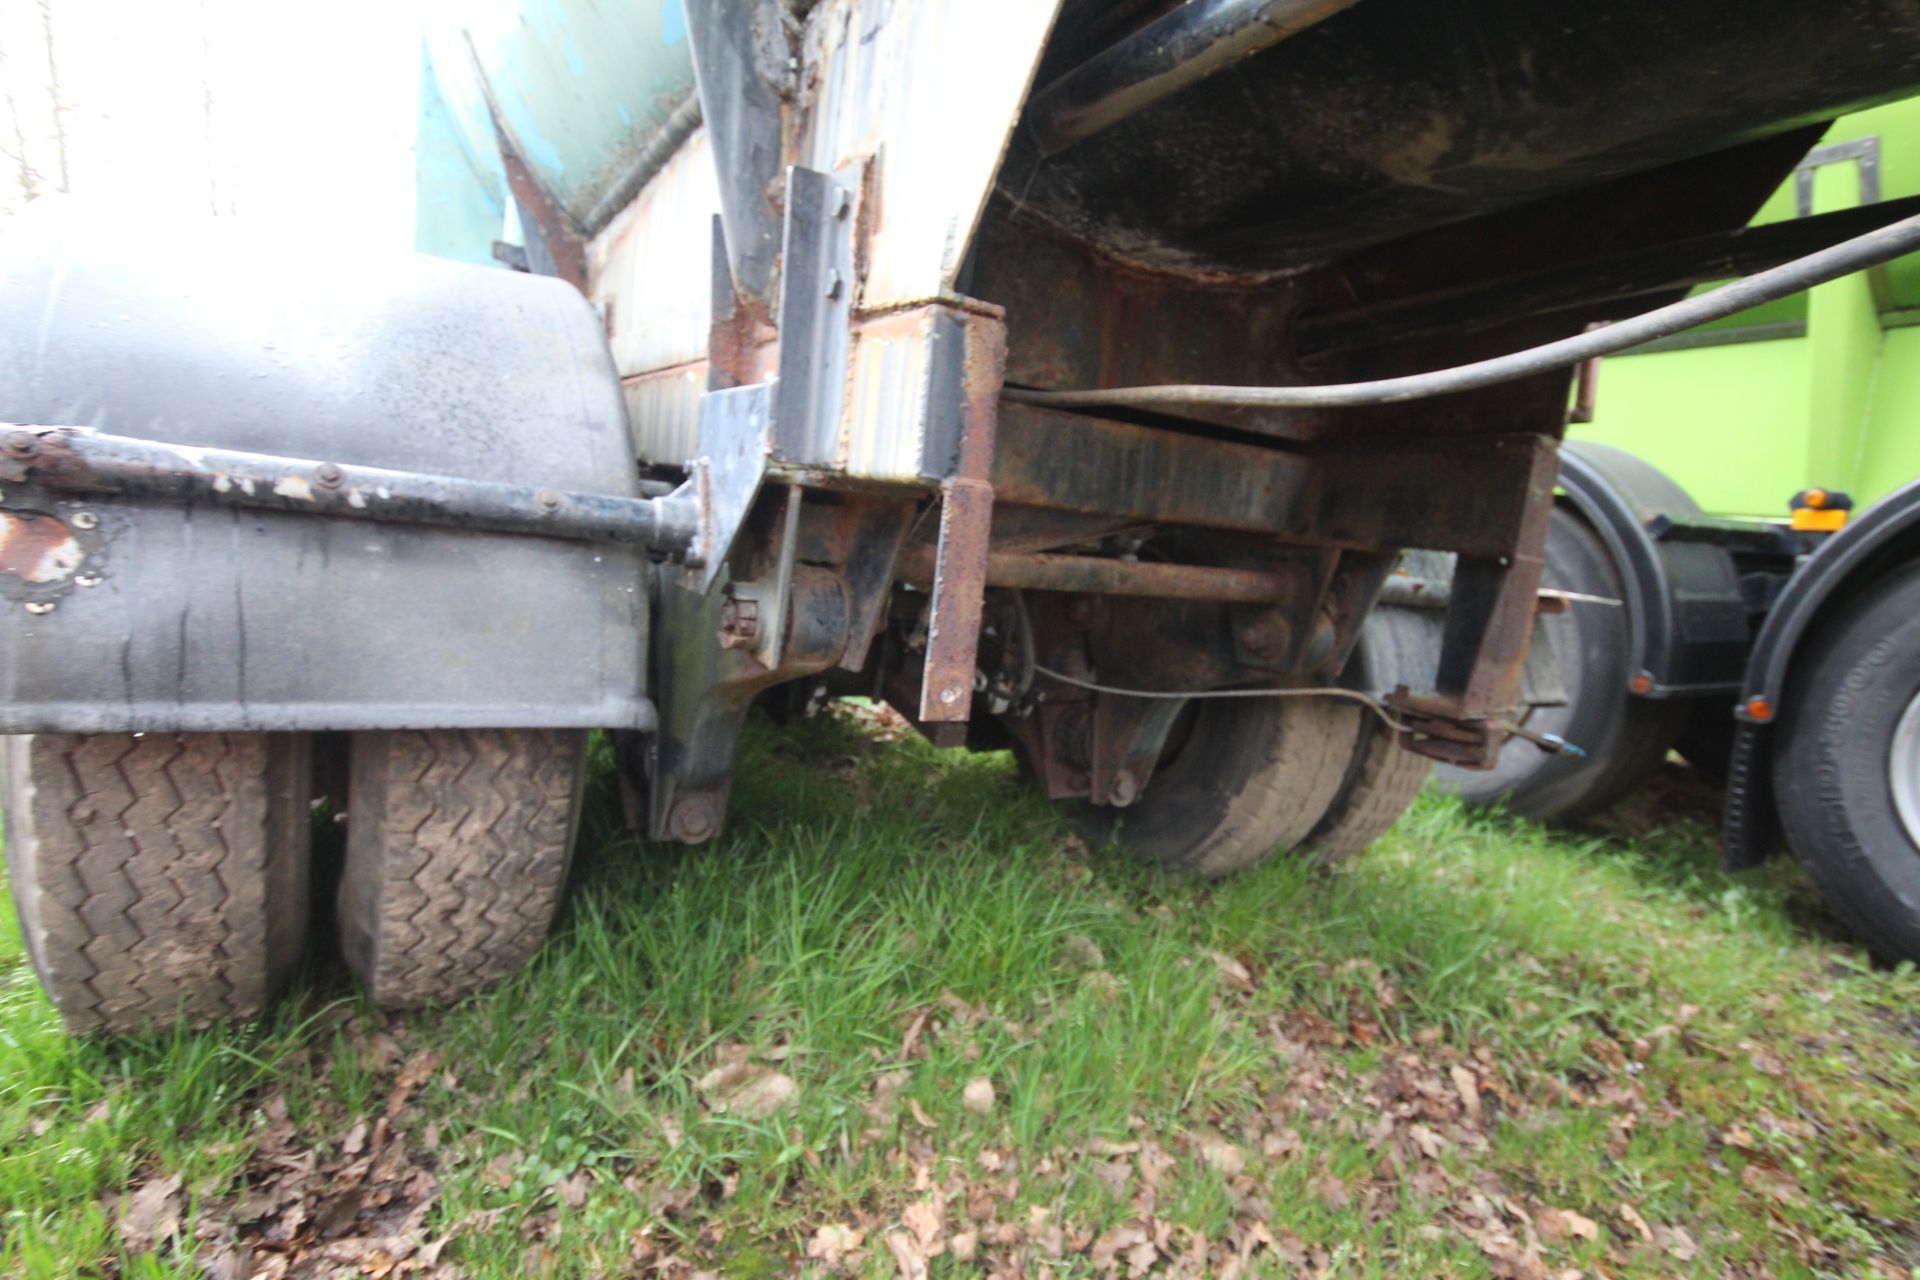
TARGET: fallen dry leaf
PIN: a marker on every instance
(1219, 1154)
(1555, 1225)
(1677, 1241)
(1467, 1085)
(151, 1214)
(1282, 1144)
(907, 1255)
(1117, 1242)
(574, 1188)
(927, 1219)
(748, 1089)
(1231, 969)
(1631, 1216)
(963, 1245)
(832, 1243)
(978, 1096)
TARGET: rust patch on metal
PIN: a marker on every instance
(1099, 575)
(38, 549)
(959, 591)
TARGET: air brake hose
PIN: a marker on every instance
(1848, 256)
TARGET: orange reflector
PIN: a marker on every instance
(1641, 684)
(1819, 520)
(1814, 498)
(1759, 709)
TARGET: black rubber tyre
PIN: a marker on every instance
(1834, 760)
(458, 843)
(158, 878)
(1381, 783)
(1381, 780)
(1625, 738)
(1250, 778)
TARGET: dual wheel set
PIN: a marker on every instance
(164, 878)
(1242, 779)
(1845, 750)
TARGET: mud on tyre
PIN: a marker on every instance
(158, 877)
(458, 845)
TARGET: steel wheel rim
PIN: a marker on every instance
(1903, 769)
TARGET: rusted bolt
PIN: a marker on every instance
(1124, 791)
(842, 203)
(328, 475)
(548, 500)
(39, 607)
(693, 819)
(739, 622)
(85, 520)
(836, 285)
(1266, 635)
(22, 444)
(87, 580)
(950, 695)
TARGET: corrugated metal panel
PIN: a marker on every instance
(932, 88)
(652, 267)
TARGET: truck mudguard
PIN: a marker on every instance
(132, 614)
(1688, 619)
(1885, 536)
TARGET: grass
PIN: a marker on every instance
(1479, 1049)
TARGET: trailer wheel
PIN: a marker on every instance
(458, 844)
(159, 877)
(1245, 777)
(1382, 779)
(1625, 738)
(1847, 765)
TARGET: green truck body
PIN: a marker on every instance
(1822, 389)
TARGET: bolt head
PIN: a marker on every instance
(693, 819)
(87, 580)
(22, 444)
(548, 500)
(39, 608)
(950, 695)
(328, 475)
(84, 520)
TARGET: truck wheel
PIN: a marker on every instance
(1847, 765)
(1245, 778)
(458, 843)
(1381, 779)
(1625, 738)
(158, 877)
(1379, 787)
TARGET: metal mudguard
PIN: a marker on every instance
(1884, 537)
(125, 615)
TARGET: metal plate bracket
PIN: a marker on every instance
(727, 474)
(815, 317)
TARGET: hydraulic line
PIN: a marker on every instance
(1857, 254)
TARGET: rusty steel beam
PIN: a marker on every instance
(1094, 575)
(1445, 492)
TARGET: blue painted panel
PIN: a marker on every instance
(583, 85)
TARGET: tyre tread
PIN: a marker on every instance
(142, 868)
(458, 844)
